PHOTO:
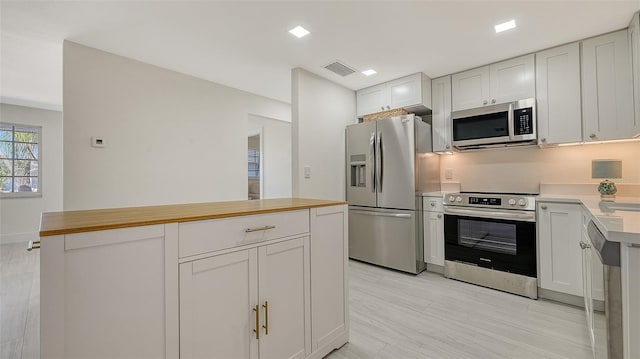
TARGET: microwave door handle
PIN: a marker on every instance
(511, 123)
(372, 159)
(380, 166)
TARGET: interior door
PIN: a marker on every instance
(360, 164)
(396, 163)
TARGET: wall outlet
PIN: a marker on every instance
(448, 173)
(98, 141)
(307, 171)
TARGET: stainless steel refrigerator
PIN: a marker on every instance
(390, 165)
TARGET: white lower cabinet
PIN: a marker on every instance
(433, 230)
(267, 286)
(253, 303)
(94, 282)
(560, 257)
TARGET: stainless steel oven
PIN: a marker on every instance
(490, 239)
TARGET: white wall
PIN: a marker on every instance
(20, 217)
(320, 112)
(522, 169)
(171, 138)
(276, 155)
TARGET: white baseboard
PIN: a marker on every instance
(18, 237)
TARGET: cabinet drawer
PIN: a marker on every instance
(432, 204)
(217, 234)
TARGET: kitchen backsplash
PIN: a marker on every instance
(523, 169)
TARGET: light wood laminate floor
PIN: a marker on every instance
(393, 315)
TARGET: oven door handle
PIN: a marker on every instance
(525, 216)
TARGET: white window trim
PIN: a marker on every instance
(7, 195)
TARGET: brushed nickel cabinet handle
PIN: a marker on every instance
(33, 245)
(543, 206)
(484, 102)
(439, 216)
(258, 229)
(493, 100)
(593, 135)
(266, 317)
(256, 309)
(584, 245)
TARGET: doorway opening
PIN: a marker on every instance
(254, 164)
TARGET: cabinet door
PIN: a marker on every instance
(371, 100)
(434, 238)
(607, 88)
(284, 299)
(558, 94)
(559, 234)
(329, 266)
(441, 113)
(634, 41)
(470, 89)
(404, 92)
(218, 296)
(103, 294)
(512, 80)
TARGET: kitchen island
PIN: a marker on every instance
(243, 279)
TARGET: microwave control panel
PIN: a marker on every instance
(523, 121)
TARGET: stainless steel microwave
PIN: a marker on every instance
(505, 124)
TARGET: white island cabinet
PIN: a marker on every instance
(248, 279)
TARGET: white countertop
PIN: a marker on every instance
(616, 225)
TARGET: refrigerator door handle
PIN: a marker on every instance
(380, 165)
(381, 214)
(372, 155)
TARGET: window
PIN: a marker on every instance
(19, 160)
(254, 163)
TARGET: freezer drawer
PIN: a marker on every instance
(389, 238)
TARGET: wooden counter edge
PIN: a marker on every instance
(94, 228)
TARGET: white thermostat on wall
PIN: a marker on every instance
(98, 141)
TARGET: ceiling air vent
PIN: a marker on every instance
(339, 68)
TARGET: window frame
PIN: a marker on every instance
(38, 193)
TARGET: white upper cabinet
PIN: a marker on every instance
(512, 80)
(411, 92)
(441, 114)
(607, 88)
(371, 100)
(470, 88)
(505, 81)
(558, 95)
(634, 40)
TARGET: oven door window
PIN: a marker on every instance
(489, 236)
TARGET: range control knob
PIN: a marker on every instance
(522, 203)
(459, 199)
(512, 202)
(452, 198)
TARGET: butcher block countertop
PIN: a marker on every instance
(57, 223)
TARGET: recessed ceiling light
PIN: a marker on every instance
(299, 31)
(505, 26)
(369, 72)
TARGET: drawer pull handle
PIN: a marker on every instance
(249, 230)
(33, 245)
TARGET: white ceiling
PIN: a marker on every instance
(246, 45)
